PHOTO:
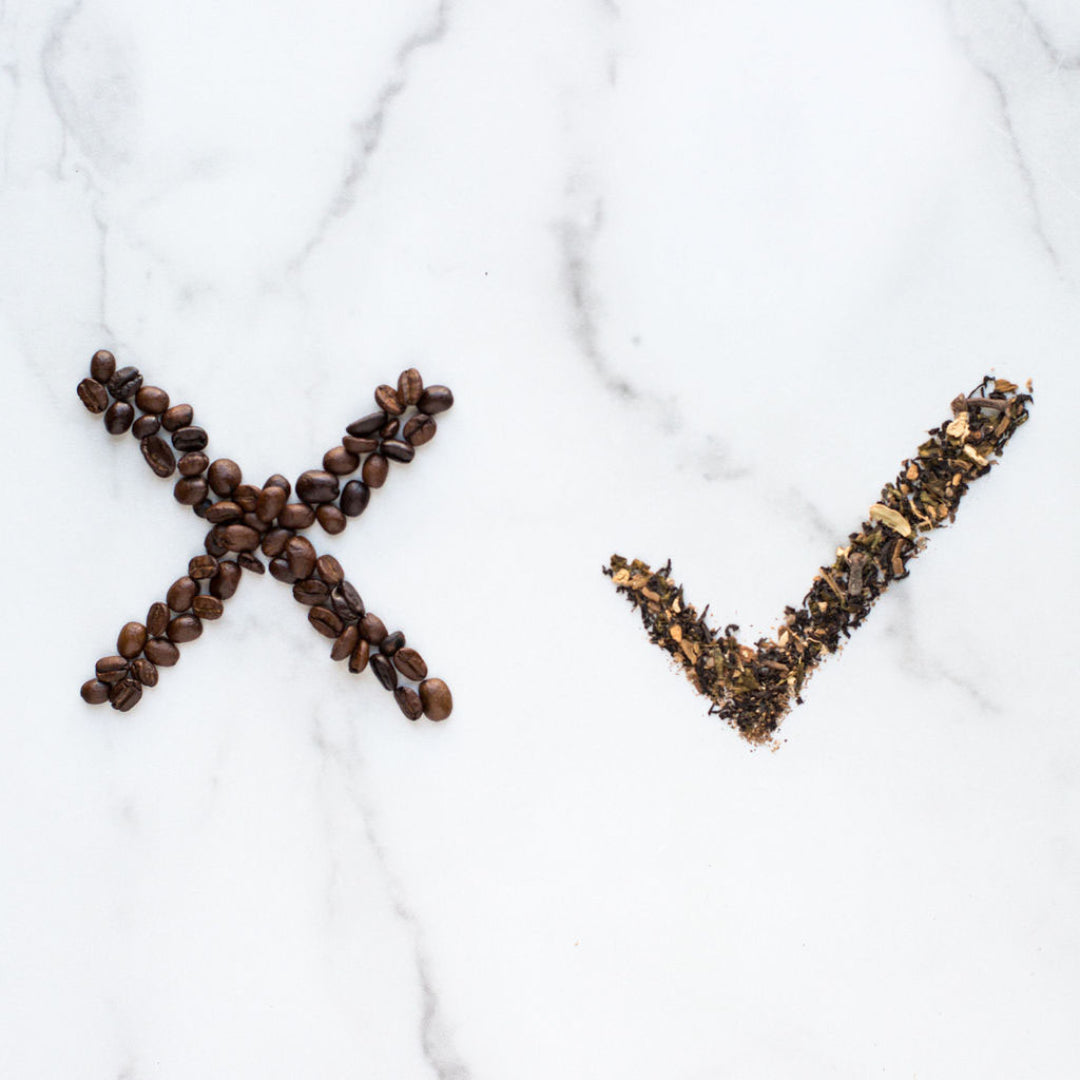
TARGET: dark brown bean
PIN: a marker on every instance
(125, 383)
(411, 664)
(158, 456)
(102, 365)
(296, 516)
(375, 469)
(410, 386)
(436, 699)
(202, 567)
(346, 601)
(384, 670)
(409, 702)
(372, 628)
(316, 486)
(279, 569)
(118, 417)
(270, 503)
(224, 476)
(325, 621)
(239, 537)
(329, 569)
(184, 628)
(125, 695)
(355, 498)
(301, 556)
(391, 643)
(331, 519)
(224, 511)
(190, 490)
(190, 438)
(279, 481)
(247, 495)
(274, 541)
(419, 430)
(386, 397)
(251, 563)
(94, 692)
(145, 671)
(253, 521)
(202, 508)
(224, 583)
(213, 541)
(389, 429)
(435, 399)
(208, 607)
(397, 450)
(157, 619)
(177, 417)
(360, 445)
(310, 591)
(367, 425)
(131, 639)
(340, 462)
(345, 643)
(111, 669)
(146, 426)
(152, 399)
(93, 395)
(359, 659)
(162, 652)
(181, 592)
(193, 464)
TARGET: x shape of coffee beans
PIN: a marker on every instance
(245, 519)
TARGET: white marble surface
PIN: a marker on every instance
(700, 276)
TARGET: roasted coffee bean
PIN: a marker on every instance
(214, 543)
(146, 426)
(325, 621)
(125, 383)
(409, 702)
(279, 481)
(391, 643)
(247, 495)
(397, 450)
(348, 595)
(93, 395)
(190, 490)
(435, 399)
(201, 567)
(273, 543)
(118, 417)
(162, 652)
(177, 417)
(224, 583)
(208, 607)
(360, 444)
(296, 516)
(181, 592)
(193, 464)
(145, 671)
(125, 695)
(389, 429)
(270, 503)
(316, 486)
(329, 569)
(224, 476)
(410, 663)
(436, 699)
(384, 670)
(367, 425)
(386, 397)
(345, 643)
(251, 563)
(157, 619)
(158, 455)
(331, 519)
(224, 511)
(190, 438)
(202, 508)
(280, 569)
(253, 521)
(94, 692)
(102, 365)
(372, 628)
(131, 639)
(184, 628)
(359, 659)
(310, 591)
(410, 386)
(240, 537)
(111, 669)
(375, 469)
(152, 399)
(340, 462)
(354, 498)
(419, 430)
(342, 608)
(301, 556)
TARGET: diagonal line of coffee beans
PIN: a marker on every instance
(246, 519)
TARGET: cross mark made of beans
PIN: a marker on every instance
(246, 519)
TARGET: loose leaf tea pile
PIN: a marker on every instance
(754, 688)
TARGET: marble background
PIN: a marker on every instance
(700, 276)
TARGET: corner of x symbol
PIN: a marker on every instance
(245, 519)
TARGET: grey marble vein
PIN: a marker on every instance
(1061, 60)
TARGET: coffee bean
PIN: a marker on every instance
(247, 496)
(372, 629)
(189, 490)
(181, 592)
(386, 397)
(436, 699)
(397, 450)
(340, 462)
(410, 386)
(367, 425)
(146, 426)
(208, 607)
(177, 417)
(279, 481)
(296, 516)
(349, 597)
(125, 695)
(273, 543)
(345, 643)
(131, 639)
(202, 508)
(125, 383)
(316, 486)
(420, 429)
(224, 476)
(157, 618)
(359, 659)
(240, 537)
(253, 521)
(391, 643)
(411, 664)
(94, 692)
(331, 519)
(184, 628)
(93, 395)
(310, 591)
(162, 652)
(270, 503)
(409, 702)
(158, 456)
(224, 511)
(193, 464)
(224, 583)
(354, 498)
(213, 541)
(374, 471)
(111, 669)
(202, 567)
(145, 671)
(152, 399)
(329, 569)
(102, 365)
(251, 563)
(389, 429)
(190, 438)
(325, 621)
(384, 670)
(118, 417)
(301, 556)
(362, 445)
(279, 569)
(435, 399)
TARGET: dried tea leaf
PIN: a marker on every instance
(893, 518)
